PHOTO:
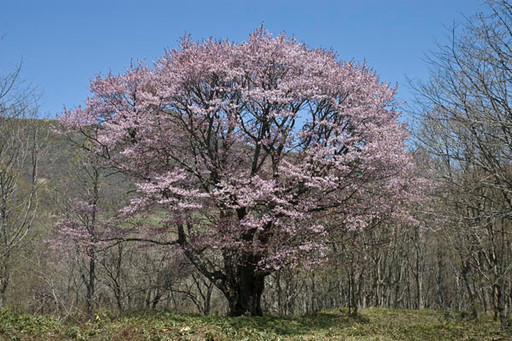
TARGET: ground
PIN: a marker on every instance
(372, 324)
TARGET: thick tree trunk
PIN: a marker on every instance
(245, 291)
(240, 281)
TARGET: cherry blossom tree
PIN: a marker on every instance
(79, 233)
(250, 156)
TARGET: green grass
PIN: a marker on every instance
(372, 324)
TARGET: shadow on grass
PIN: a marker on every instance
(295, 326)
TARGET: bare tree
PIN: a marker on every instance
(466, 125)
(19, 153)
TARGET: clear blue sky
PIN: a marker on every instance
(64, 44)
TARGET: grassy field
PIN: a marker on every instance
(372, 324)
